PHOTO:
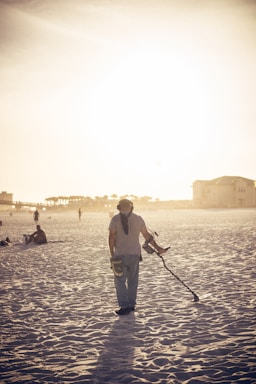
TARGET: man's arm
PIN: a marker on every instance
(150, 239)
(111, 241)
(31, 238)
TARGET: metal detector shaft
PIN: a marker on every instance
(196, 298)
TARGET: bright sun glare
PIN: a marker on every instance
(157, 99)
(125, 97)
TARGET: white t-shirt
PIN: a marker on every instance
(127, 244)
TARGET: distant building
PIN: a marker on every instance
(224, 192)
(4, 196)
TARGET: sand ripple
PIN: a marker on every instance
(57, 304)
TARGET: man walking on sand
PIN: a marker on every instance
(125, 250)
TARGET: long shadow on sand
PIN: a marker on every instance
(115, 363)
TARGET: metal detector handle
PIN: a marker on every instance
(166, 249)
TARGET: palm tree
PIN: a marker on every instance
(52, 200)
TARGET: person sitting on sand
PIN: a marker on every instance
(5, 242)
(38, 237)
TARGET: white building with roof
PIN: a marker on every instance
(224, 192)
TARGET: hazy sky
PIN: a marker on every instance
(137, 97)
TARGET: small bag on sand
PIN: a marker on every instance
(117, 266)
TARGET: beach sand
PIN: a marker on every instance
(58, 321)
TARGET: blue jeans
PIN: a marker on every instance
(127, 284)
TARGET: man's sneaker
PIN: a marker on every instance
(123, 311)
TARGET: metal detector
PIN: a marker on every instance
(149, 249)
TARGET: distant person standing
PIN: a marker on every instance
(36, 216)
(79, 213)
